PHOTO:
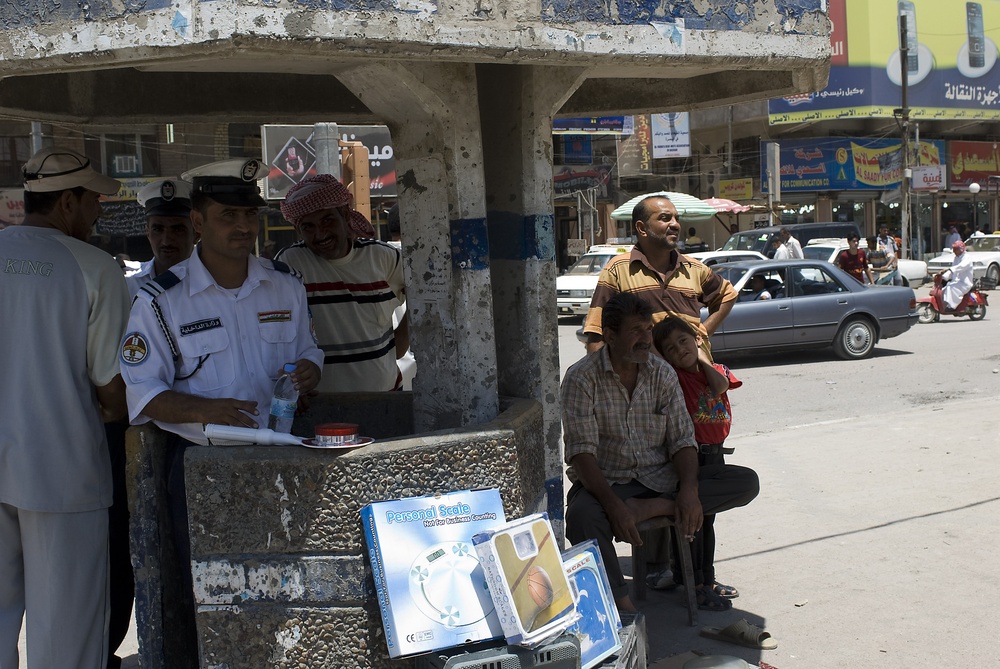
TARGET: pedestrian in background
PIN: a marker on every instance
(854, 260)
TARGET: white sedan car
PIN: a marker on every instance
(985, 254)
(913, 272)
(718, 257)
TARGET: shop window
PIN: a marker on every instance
(14, 152)
(125, 155)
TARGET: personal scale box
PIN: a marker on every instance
(431, 588)
(598, 624)
(525, 573)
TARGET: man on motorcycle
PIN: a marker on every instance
(959, 277)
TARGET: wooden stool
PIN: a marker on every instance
(639, 558)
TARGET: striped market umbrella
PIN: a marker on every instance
(725, 206)
(689, 208)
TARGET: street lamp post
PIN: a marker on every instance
(974, 188)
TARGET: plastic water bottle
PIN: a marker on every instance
(283, 402)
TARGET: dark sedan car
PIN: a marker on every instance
(809, 303)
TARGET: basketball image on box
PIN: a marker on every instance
(527, 579)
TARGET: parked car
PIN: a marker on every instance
(913, 272)
(717, 257)
(812, 304)
(575, 286)
(985, 254)
(759, 239)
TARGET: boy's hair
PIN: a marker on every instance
(664, 328)
(620, 307)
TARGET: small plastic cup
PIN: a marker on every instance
(336, 434)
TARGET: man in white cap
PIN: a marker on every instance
(220, 323)
(169, 229)
(354, 284)
(64, 304)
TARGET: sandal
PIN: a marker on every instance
(709, 601)
(727, 591)
(741, 633)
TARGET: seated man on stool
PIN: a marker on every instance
(630, 446)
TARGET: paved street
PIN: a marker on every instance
(874, 540)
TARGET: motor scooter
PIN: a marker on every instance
(973, 304)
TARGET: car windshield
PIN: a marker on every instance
(731, 273)
(589, 264)
(817, 252)
(988, 243)
(748, 241)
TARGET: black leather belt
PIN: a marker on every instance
(714, 449)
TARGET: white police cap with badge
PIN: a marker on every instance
(165, 197)
(232, 182)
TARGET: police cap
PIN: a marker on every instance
(232, 182)
(165, 197)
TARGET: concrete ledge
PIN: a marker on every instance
(280, 577)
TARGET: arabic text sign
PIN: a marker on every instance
(973, 162)
(953, 69)
(736, 189)
(635, 154)
(289, 155)
(671, 135)
(11, 206)
(826, 163)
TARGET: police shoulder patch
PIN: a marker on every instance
(134, 348)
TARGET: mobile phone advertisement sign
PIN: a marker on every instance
(952, 63)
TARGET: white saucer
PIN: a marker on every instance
(925, 63)
(362, 441)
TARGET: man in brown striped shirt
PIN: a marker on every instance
(670, 282)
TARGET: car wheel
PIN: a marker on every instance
(926, 313)
(855, 340)
(993, 273)
(978, 314)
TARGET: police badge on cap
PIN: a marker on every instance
(166, 197)
(231, 182)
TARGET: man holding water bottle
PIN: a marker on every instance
(221, 323)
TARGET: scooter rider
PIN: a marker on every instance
(959, 277)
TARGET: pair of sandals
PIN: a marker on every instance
(716, 598)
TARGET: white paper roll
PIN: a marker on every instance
(245, 435)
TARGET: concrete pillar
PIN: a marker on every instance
(517, 104)
(432, 111)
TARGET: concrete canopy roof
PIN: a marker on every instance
(229, 59)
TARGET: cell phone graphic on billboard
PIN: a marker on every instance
(977, 40)
(907, 11)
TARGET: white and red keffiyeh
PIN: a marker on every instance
(322, 191)
(359, 225)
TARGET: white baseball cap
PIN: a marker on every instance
(51, 170)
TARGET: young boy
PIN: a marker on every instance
(704, 385)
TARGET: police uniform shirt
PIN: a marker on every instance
(138, 279)
(188, 334)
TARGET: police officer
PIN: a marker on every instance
(220, 323)
(168, 228)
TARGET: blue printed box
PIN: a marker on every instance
(431, 589)
(598, 625)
